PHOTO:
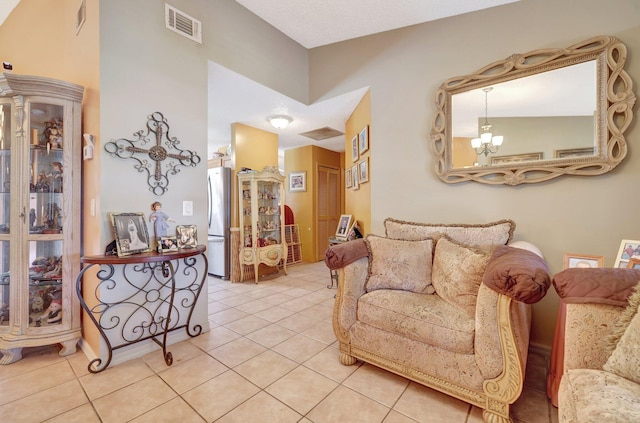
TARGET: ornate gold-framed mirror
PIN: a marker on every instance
(533, 117)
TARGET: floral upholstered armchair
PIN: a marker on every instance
(446, 306)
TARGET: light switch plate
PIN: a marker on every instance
(187, 208)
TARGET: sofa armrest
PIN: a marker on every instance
(351, 286)
(602, 286)
(586, 331)
(517, 273)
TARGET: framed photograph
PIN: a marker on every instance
(343, 226)
(131, 233)
(582, 261)
(187, 236)
(355, 180)
(363, 170)
(363, 139)
(629, 249)
(354, 149)
(634, 263)
(167, 244)
(347, 178)
(573, 152)
(515, 158)
(298, 181)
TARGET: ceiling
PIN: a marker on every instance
(311, 23)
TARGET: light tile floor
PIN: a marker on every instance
(270, 356)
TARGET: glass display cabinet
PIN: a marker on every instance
(40, 182)
(261, 209)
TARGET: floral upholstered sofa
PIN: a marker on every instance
(601, 377)
(446, 306)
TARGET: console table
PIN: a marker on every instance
(142, 296)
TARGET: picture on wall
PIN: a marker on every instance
(347, 178)
(363, 139)
(582, 261)
(131, 233)
(298, 181)
(629, 249)
(354, 149)
(354, 176)
(187, 236)
(363, 169)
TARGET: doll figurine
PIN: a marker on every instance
(159, 219)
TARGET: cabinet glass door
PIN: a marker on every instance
(268, 213)
(45, 206)
(245, 219)
(5, 209)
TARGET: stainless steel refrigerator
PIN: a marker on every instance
(219, 242)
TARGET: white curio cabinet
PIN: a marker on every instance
(40, 182)
(262, 240)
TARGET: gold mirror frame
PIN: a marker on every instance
(613, 117)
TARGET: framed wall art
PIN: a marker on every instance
(298, 181)
(131, 233)
(629, 249)
(347, 178)
(515, 158)
(363, 170)
(187, 236)
(573, 152)
(354, 149)
(582, 261)
(355, 183)
(363, 139)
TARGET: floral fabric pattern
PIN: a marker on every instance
(485, 236)
(423, 318)
(595, 396)
(399, 264)
(457, 274)
(625, 358)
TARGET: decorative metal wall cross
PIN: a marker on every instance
(157, 171)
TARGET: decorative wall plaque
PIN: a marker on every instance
(159, 159)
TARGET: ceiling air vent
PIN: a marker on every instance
(182, 23)
(322, 133)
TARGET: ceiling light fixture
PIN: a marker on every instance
(487, 143)
(279, 121)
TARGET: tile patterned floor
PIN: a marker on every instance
(270, 356)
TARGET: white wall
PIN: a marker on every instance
(589, 215)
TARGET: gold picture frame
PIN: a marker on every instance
(582, 261)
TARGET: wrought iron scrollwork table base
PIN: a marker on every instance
(142, 296)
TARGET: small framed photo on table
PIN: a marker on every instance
(344, 224)
(187, 236)
(629, 249)
(131, 233)
(167, 244)
(582, 261)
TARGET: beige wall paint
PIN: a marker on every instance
(404, 68)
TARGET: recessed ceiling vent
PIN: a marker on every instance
(182, 23)
(322, 133)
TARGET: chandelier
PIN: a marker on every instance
(487, 143)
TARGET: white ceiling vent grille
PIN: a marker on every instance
(182, 23)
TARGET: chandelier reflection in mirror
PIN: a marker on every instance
(487, 143)
(159, 155)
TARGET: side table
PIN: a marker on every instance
(151, 295)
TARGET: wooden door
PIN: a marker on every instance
(328, 206)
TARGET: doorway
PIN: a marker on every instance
(328, 200)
